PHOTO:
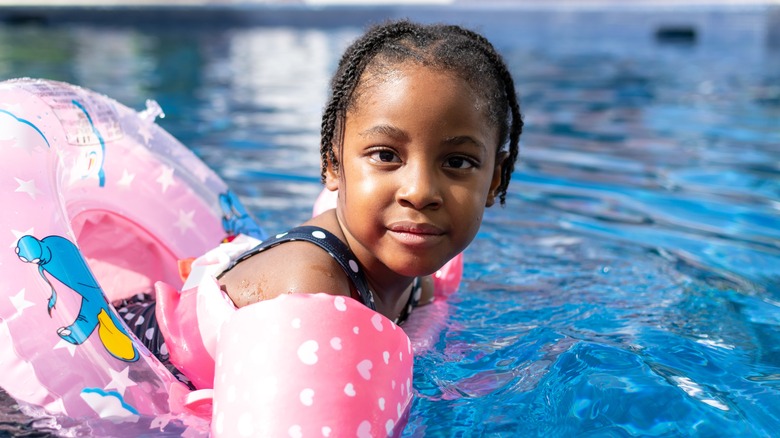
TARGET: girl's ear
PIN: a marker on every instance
(331, 177)
(496, 180)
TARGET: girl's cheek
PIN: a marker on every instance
(369, 182)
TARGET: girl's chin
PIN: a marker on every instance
(416, 267)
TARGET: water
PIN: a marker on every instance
(631, 285)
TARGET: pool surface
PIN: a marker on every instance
(631, 285)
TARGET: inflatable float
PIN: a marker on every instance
(100, 203)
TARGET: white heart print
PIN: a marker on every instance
(307, 352)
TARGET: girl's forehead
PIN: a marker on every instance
(382, 74)
(421, 96)
(381, 71)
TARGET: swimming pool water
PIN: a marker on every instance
(631, 285)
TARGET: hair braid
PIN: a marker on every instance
(516, 128)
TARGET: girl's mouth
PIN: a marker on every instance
(415, 233)
(415, 228)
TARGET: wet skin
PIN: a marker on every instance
(417, 169)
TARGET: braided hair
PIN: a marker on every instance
(446, 47)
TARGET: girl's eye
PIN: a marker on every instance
(385, 157)
(459, 163)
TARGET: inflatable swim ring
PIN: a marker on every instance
(100, 204)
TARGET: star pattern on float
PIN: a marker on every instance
(145, 133)
(201, 172)
(27, 187)
(19, 302)
(66, 345)
(127, 178)
(120, 380)
(185, 221)
(166, 178)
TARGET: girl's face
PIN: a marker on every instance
(418, 167)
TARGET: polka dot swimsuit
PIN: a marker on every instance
(139, 310)
(343, 256)
(139, 313)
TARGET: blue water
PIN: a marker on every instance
(631, 285)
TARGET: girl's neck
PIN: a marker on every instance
(392, 305)
(391, 293)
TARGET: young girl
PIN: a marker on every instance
(414, 140)
(420, 135)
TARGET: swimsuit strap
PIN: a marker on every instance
(327, 241)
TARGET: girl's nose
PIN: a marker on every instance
(419, 188)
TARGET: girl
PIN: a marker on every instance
(420, 135)
(414, 138)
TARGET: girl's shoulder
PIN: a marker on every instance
(290, 267)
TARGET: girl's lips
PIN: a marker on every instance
(416, 234)
(415, 228)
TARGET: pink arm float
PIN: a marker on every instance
(296, 365)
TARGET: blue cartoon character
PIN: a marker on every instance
(60, 258)
(236, 220)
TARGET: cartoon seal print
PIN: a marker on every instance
(61, 259)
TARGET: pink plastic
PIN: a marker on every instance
(326, 366)
(191, 321)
